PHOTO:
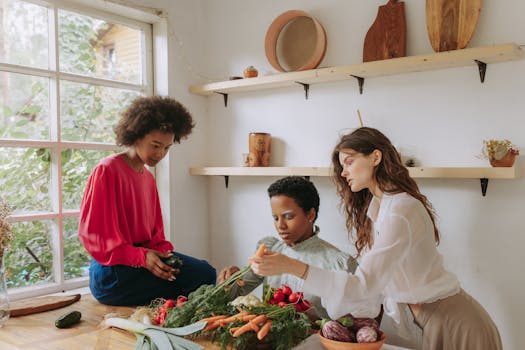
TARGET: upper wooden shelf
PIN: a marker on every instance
(482, 173)
(449, 59)
(415, 172)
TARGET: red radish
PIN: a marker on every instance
(295, 297)
(168, 304)
(287, 290)
(305, 304)
(181, 300)
(279, 295)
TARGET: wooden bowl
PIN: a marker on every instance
(295, 41)
(330, 344)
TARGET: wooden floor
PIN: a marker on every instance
(38, 331)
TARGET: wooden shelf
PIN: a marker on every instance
(260, 171)
(415, 172)
(482, 173)
(449, 59)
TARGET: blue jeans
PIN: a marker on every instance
(121, 285)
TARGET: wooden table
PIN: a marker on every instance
(38, 331)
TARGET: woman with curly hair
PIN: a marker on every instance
(120, 221)
(396, 238)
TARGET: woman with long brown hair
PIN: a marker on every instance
(395, 237)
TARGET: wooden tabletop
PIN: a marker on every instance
(38, 331)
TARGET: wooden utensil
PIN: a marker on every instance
(34, 305)
(386, 38)
(451, 23)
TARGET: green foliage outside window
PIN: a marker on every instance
(88, 113)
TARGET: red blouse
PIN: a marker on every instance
(120, 215)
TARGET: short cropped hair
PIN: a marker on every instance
(299, 189)
(147, 114)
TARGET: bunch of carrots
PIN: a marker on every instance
(259, 324)
(237, 327)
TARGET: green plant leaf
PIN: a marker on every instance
(22, 122)
(7, 111)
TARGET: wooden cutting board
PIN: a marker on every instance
(40, 304)
(451, 23)
(386, 38)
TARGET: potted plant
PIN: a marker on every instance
(500, 153)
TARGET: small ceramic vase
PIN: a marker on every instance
(260, 147)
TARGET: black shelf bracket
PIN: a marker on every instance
(306, 88)
(224, 96)
(226, 180)
(482, 67)
(484, 184)
(361, 82)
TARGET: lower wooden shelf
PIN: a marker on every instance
(481, 173)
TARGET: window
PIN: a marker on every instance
(65, 75)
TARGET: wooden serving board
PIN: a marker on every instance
(451, 23)
(40, 304)
(386, 38)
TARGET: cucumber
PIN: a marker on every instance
(68, 319)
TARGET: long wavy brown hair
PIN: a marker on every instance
(391, 176)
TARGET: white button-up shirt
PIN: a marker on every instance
(402, 266)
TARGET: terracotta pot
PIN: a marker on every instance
(260, 144)
(507, 160)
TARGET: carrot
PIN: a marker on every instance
(264, 330)
(260, 251)
(248, 317)
(213, 318)
(232, 318)
(259, 319)
(242, 329)
(211, 326)
(251, 325)
(233, 329)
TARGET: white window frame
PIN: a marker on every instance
(154, 54)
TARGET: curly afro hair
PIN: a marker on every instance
(302, 191)
(147, 114)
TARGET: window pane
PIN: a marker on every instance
(76, 259)
(25, 107)
(94, 47)
(89, 112)
(25, 178)
(30, 259)
(23, 34)
(76, 167)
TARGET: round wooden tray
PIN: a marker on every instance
(295, 41)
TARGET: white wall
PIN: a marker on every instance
(439, 117)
